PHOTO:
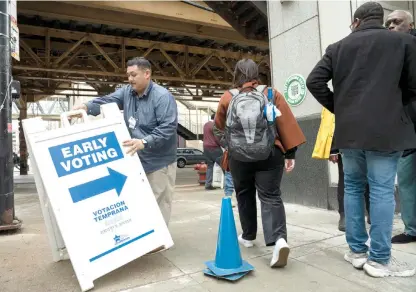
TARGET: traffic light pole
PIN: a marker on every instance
(7, 214)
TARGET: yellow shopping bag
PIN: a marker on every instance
(325, 135)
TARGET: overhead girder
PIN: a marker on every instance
(92, 15)
(172, 10)
(100, 61)
(247, 17)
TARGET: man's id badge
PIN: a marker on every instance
(132, 123)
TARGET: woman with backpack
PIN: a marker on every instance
(259, 149)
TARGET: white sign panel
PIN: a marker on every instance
(103, 203)
(14, 41)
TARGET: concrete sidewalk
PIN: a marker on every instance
(316, 263)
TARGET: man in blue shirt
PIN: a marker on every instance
(151, 114)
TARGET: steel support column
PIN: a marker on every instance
(6, 149)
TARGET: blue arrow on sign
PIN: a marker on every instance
(114, 180)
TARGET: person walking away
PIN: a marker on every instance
(150, 112)
(324, 149)
(212, 151)
(373, 76)
(402, 21)
(258, 155)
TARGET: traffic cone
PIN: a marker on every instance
(228, 263)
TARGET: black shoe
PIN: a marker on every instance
(341, 224)
(403, 238)
(210, 188)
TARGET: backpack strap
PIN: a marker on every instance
(261, 88)
(234, 92)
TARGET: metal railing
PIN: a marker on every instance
(194, 120)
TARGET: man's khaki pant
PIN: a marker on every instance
(162, 182)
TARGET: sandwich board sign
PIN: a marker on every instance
(105, 211)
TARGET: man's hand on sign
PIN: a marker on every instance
(134, 144)
(289, 164)
(78, 107)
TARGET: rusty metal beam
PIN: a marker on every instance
(71, 49)
(74, 35)
(225, 65)
(66, 79)
(131, 21)
(114, 74)
(48, 48)
(201, 64)
(105, 55)
(123, 54)
(31, 53)
(148, 51)
(153, 55)
(211, 73)
(181, 73)
(158, 67)
(70, 59)
(172, 10)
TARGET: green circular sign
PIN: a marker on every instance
(295, 90)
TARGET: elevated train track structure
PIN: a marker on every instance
(193, 47)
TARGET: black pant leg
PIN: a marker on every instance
(268, 179)
(367, 198)
(244, 184)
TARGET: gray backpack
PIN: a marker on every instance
(248, 135)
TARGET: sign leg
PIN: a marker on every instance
(85, 284)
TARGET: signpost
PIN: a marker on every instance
(8, 220)
(102, 201)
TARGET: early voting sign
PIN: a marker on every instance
(105, 210)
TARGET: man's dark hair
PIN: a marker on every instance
(370, 11)
(140, 62)
(212, 116)
(246, 70)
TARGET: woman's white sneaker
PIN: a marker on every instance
(280, 254)
(394, 269)
(356, 259)
(245, 242)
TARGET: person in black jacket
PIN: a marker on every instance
(402, 21)
(373, 76)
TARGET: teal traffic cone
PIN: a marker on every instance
(228, 263)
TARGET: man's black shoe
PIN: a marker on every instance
(403, 238)
(341, 224)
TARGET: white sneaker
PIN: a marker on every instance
(245, 242)
(356, 259)
(394, 268)
(280, 254)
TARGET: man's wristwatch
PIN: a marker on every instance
(144, 143)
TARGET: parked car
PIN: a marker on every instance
(189, 156)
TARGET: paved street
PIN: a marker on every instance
(187, 176)
(316, 258)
